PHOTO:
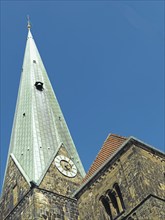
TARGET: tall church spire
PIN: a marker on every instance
(39, 128)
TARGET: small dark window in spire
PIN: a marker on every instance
(39, 86)
(23, 114)
(34, 61)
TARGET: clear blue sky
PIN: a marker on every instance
(105, 60)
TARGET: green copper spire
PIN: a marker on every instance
(39, 127)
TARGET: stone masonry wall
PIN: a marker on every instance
(138, 173)
(43, 205)
(151, 209)
(51, 200)
(55, 181)
(24, 210)
(15, 187)
(52, 206)
(153, 168)
(136, 176)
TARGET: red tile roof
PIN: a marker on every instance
(111, 144)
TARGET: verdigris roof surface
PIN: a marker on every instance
(39, 126)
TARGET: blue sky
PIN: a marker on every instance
(105, 60)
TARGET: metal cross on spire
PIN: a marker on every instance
(28, 20)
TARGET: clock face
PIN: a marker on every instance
(65, 166)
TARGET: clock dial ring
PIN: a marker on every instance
(65, 166)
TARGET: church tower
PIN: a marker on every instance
(43, 168)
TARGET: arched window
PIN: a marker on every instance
(105, 203)
(113, 203)
(119, 197)
(39, 86)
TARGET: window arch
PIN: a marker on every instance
(119, 197)
(105, 202)
(113, 202)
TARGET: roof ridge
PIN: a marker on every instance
(110, 135)
(114, 135)
(118, 136)
(111, 147)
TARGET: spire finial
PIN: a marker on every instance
(28, 20)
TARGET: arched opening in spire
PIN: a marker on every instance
(39, 86)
